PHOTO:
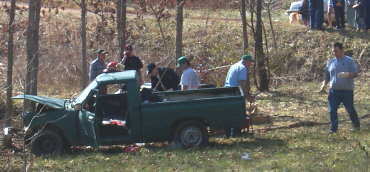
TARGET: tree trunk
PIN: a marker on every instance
(9, 76)
(121, 25)
(260, 55)
(179, 26)
(32, 51)
(244, 23)
(84, 76)
(271, 24)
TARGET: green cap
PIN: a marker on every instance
(100, 51)
(247, 57)
(181, 61)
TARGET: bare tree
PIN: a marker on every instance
(179, 26)
(268, 6)
(263, 80)
(244, 24)
(9, 76)
(32, 50)
(121, 25)
(84, 76)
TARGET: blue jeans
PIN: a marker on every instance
(336, 97)
(316, 14)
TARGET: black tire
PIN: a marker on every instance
(191, 134)
(47, 142)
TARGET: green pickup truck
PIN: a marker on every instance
(101, 115)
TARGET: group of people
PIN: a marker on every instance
(354, 12)
(340, 72)
(162, 78)
(167, 79)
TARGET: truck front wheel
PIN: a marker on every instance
(47, 142)
(191, 134)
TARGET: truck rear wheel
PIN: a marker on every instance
(191, 134)
(47, 142)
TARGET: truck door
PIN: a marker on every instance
(88, 123)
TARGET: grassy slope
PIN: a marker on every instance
(303, 148)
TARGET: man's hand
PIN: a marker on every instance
(323, 87)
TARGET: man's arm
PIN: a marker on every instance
(326, 81)
(92, 73)
(245, 85)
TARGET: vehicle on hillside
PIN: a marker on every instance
(100, 115)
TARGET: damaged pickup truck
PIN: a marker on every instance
(101, 115)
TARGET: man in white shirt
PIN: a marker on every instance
(189, 78)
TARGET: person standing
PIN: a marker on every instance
(366, 8)
(360, 15)
(163, 79)
(132, 62)
(305, 12)
(98, 65)
(316, 14)
(189, 78)
(237, 76)
(329, 13)
(351, 13)
(340, 72)
(339, 6)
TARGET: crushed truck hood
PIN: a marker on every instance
(52, 102)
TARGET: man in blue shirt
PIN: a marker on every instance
(339, 74)
(237, 76)
(98, 65)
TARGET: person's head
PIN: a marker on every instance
(183, 63)
(247, 60)
(102, 54)
(152, 70)
(129, 50)
(338, 50)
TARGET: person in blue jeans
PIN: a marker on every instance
(316, 8)
(340, 72)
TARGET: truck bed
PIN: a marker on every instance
(208, 93)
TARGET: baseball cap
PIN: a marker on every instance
(150, 67)
(247, 57)
(181, 61)
(100, 51)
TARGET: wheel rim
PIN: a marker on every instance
(191, 136)
(48, 145)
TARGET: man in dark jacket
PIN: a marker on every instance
(163, 79)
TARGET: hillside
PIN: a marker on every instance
(296, 138)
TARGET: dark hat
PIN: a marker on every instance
(150, 68)
(129, 47)
(100, 51)
(247, 57)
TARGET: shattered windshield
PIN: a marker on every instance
(79, 99)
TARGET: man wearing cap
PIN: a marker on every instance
(189, 78)
(131, 62)
(98, 65)
(340, 72)
(237, 76)
(163, 79)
